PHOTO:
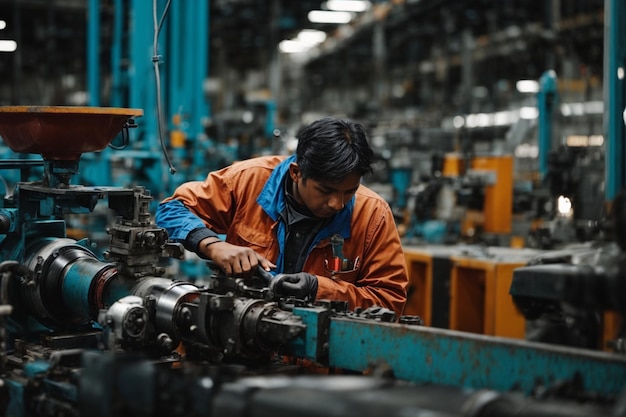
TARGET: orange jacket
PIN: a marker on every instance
(226, 202)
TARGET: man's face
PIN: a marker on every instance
(323, 198)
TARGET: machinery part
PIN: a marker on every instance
(119, 385)
(254, 328)
(122, 385)
(71, 288)
(440, 356)
(165, 304)
(68, 285)
(564, 301)
(9, 270)
(7, 221)
(565, 294)
(219, 325)
(61, 132)
(126, 321)
(618, 214)
(136, 243)
(587, 287)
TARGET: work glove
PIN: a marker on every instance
(301, 285)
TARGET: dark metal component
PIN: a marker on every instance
(618, 215)
(374, 313)
(122, 385)
(24, 165)
(253, 328)
(136, 244)
(440, 315)
(9, 270)
(412, 320)
(54, 262)
(20, 163)
(76, 340)
(588, 287)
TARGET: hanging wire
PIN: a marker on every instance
(155, 62)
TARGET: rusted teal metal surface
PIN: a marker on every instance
(441, 356)
(312, 343)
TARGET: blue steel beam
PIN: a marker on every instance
(93, 52)
(614, 95)
(446, 357)
(142, 90)
(546, 103)
(117, 84)
(187, 64)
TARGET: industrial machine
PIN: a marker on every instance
(570, 202)
(575, 296)
(83, 335)
(467, 198)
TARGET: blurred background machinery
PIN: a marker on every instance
(223, 80)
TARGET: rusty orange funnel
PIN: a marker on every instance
(61, 133)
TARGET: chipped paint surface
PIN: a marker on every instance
(440, 356)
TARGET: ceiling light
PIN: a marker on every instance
(3, 24)
(311, 37)
(528, 113)
(527, 86)
(348, 5)
(306, 39)
(7, 46)
(292, 47)
(325, 16)
(458, 122)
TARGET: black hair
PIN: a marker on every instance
(330, 149)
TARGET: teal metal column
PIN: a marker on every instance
(95, 167)
(142, 91)
(93, 52)
(546, 102)
(117, 84)
(614, 94)
(201, 63)
(182, 50)
(188, 63)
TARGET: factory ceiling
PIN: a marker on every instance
(244, 34)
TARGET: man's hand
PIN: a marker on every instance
(301, 285)
(238, 261)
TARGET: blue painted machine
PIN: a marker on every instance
(88, 336)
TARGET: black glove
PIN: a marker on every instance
(301, 285)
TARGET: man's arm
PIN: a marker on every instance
(187, 228)
(182, 225)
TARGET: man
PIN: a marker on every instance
(305, 217)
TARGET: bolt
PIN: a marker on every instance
(186, 314)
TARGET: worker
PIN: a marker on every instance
(305, 218)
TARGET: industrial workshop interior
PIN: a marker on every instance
(497, 134)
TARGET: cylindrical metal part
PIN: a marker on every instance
(67, 285)
(77, 285)
(5, 223)
(168, 296)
